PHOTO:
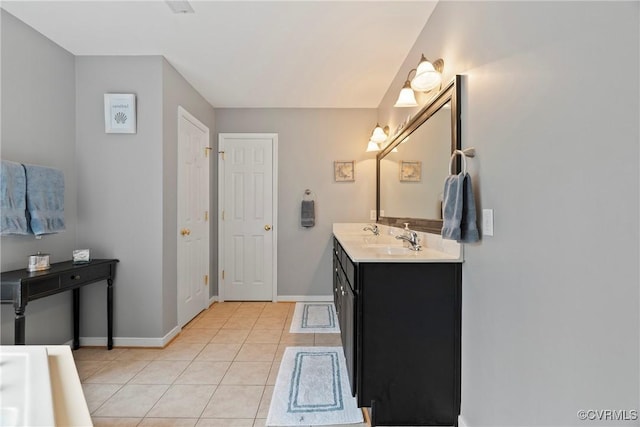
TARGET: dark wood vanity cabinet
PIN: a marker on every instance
(401, 326)
(344, 299)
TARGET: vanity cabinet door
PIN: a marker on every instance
(336, 285)
(348, 334)
(408, 335)
(344, 271)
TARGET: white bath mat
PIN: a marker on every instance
(312, 388)
(315, 317)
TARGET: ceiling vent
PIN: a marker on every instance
(179, 6)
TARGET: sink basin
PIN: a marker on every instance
(393, 250)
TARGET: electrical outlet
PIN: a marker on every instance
(487, 222)
(372, 215)
(381, 213)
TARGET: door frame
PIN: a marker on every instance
(226, 138)
(183, 113)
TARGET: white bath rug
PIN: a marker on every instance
(315, 317)
(312, 388)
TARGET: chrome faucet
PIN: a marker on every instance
(372, 228)
(412, 238)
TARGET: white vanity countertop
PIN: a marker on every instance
(363, 246)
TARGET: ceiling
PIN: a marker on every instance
(240, 54)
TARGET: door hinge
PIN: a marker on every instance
(206, 279)
(223, 214)
(206, 215)
(222, 154)
(222, 274)
(206, 151)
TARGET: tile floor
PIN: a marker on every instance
(219, 371)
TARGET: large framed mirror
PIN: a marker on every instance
(412, 168)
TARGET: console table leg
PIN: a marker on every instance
(19, 324)
(109, 314)
(76, 318)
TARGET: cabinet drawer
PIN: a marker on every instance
(86, 274)
(345, 262)
(43, 286)
(343, 258)
(350, 271)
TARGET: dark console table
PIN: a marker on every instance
(21, 286)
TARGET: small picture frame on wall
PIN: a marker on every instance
(410, 171)
(344, 171)
(119, 113)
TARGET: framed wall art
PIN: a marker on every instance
(344, 171)
(119, 113)
(410, 171)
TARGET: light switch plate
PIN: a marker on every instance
(372, 215)
(487, 222)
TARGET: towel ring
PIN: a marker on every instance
(308, 195)
(467, 152)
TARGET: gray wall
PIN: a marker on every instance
(177, 92)
(128, 189)
(551, 302)
(38, 127)
(309, 140)
(120, 186)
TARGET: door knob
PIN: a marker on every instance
(267, 227)
(185, 231)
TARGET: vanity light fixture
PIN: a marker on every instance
(428, 75)
(372, 146)
(379, 134)
(407, 97)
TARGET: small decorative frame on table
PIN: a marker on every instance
(344, 171)
(119, 113)
(81, 256)
(410, 171)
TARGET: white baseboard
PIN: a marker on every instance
(305, 298)
(129, 341)
(288, 298)
(462, 422)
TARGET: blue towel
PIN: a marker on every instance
(452, 206)
(459, 210)
(468, 227)
(13, 201)
(45, 199)
(308, 213)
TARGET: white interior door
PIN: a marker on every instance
(247, 194)
(193, 217)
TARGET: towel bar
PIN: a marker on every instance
(467, 152)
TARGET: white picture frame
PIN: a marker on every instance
(119, 113)
(410, 171)
(344, 171)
